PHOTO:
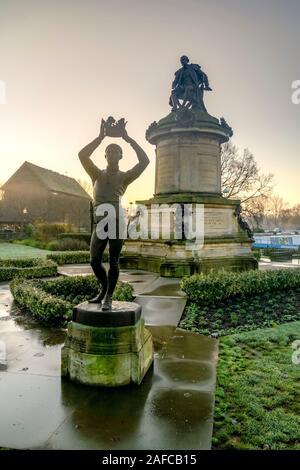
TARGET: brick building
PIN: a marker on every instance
(34, 193)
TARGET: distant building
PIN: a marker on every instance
(33, 194)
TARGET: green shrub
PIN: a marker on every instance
(256, 253)
(86, 237)
(29, 229)
(223, 284)
(231, 316)
(31, 242)
(46, 231)
(52, 301)
(225, 302)
(72, 257)
(26, 268)
(67, 244)
(49, 309)
(19, 262)
(72, 287)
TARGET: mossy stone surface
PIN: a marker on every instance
(180, 268)
(107, 356)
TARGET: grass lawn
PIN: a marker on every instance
(11, 250)
(258, 390)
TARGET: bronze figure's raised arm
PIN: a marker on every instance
(109, 186)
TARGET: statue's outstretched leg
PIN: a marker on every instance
(115, 247)
(97, 249)
(174, 102)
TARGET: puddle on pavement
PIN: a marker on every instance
(172, 408)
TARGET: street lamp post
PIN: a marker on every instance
(24, 212)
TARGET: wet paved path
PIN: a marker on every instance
(161, 299)
(171, 409)
(266, 264)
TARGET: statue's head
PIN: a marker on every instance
(113, 153)
(184, 60)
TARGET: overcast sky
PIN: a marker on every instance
(67, 63)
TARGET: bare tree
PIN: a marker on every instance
(243, 180)
(280, 215)
(294, 216)
(277, 209)
(256, 210)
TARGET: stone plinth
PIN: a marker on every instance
(188, 152)
(109, 349)
(224, 244)
(188, 173)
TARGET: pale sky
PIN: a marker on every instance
(67, 63)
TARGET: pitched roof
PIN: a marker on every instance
(55, 182)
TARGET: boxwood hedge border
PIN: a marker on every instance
(52, 301)
(223, 303)
(72, 257)
(27, 268)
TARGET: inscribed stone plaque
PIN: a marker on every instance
(217, 221)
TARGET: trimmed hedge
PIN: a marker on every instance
(242, 314)
(86, 237)
(72, 257)
(52, 301)
(225, 302)
(26, 268)
(224, 285)
(67, 244)
(47, 308)
(31, 242)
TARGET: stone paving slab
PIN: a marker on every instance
(278, 265)
(164, 286)
(140, 280)
(171, 409)
(161, 310)
(30, 409)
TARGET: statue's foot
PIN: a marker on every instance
(98, 299)
(107, 303)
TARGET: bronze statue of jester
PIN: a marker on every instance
(109, 185)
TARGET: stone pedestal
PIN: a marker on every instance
(188, 158)
(109, 349)
(188, 172)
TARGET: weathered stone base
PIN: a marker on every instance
(223, 244)
(107, 356)
(187, 267)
